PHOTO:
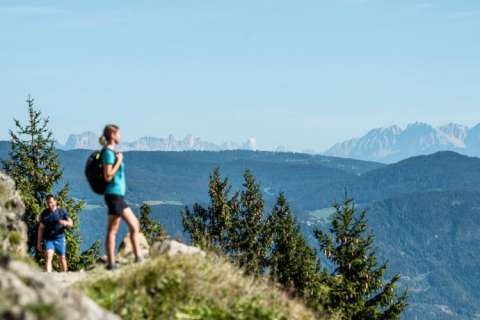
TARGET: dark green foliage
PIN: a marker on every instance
(250, 238)
(35, 168)
(356, 284)
(90, 257)
(152, 230)
(292, 262)
(195, 224)
(211, 227)
(274, 244)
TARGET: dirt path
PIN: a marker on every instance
(68, 279)
(65, 280)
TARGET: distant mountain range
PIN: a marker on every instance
(89, 140)
(387, 145)
(394, 143)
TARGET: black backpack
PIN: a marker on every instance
(94, 172)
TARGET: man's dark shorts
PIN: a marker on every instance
(115, 204)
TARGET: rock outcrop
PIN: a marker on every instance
(25, 293)
(171, 248)
(125, 252)
(13, 232)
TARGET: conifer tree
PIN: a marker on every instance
(35, 168)
(210, 228)
(357, 287)
(250, 238)
(196, 224)
(152, 230)
(292, 262)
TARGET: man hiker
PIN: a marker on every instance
(51, 231)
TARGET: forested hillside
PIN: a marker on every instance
(423, 210)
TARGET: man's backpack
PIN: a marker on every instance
(94, 172)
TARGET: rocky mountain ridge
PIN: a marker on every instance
(394, 143)
(89, 140)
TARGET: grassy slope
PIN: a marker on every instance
(190, 287)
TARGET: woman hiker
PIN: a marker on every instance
(114, 174)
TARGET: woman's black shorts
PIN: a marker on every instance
(115, 204)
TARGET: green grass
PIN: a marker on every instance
(15, 238)
(43, 311)
(190, 287)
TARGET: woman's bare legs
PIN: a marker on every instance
(134, 228)
(113, 225)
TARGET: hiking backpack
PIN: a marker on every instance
(94, 172)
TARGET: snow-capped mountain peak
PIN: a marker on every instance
(394, 143)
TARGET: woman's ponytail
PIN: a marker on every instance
(103, 141)
(106, 137)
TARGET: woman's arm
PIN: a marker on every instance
(109, 170)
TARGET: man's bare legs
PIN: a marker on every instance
(63, 263)
(48, 260)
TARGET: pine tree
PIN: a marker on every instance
(33, 165)
(237, 228)
(196, 224)
(357, 282)
(292, 262)
(35, 168)
(210, 228)
(249, 238)
(152, 230)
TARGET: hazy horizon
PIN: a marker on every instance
(219, 143)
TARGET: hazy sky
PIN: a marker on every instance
(304, 74)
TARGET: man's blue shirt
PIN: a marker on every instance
(53, 229)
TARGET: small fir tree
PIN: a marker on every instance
(211, 227)
(357, 287)
(35, 168)
(152, 230)
(195, 224)
(292, 262)
(250, 237)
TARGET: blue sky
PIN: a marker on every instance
(304, 74)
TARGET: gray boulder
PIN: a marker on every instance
(26, 293)
(13, 232)
(172, 248)
(125, 252)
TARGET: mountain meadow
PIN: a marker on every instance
(424, 211)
